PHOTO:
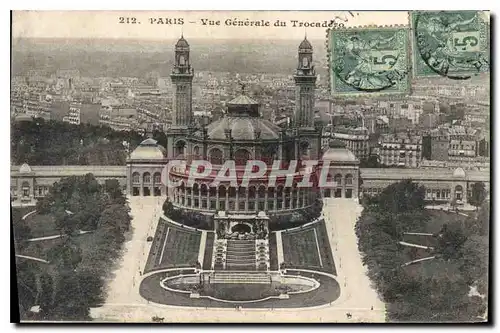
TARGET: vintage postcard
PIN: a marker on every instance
(250, 166)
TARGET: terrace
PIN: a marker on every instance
(173, 246)
(308, 248)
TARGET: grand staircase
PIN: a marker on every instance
(240, 255)
(240, 261)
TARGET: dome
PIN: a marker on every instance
(243, 128)
(458, 173)
(342, 155)
(305, 45)
(182, 42)
(25, 168)
(148, 149)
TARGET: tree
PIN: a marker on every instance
(373, 161)
(65, 255)
(404, 196)
(450, 242)
(113, 223)
(168, 208)
(21, 230)
(160, 137)
(114, 189)
(26, 284)
(70, 302)
(478, 194)
(43, 205)
(74, 279)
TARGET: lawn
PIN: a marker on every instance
(439, 218)
(18, 212)
(420, 240)
(209, 246)
(39, 249)
(273, 252)
(42, 225)
(300, 248)
(180, 249)
(436, 221)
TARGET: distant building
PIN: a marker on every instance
(463, 144)
(355, 139)
(439, 144)
(400, 149)
(73, 116)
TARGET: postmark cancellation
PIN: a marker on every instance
(369, 60)
(454, 44)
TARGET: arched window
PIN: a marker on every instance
(212, 191)
(157, 178)
(305, 62)
(222, 191)
(241, 156)
(251, 192)
(459, 192)
(215, 156)
(279, 193)
(26, 189)
(196, 189)
(268, 153)
(203, 189)
(242, 192)
(279, 197)
(146, 178)
(262, 192)
(136, 178)
(196, 151)
(348, 179)
(232, 192)
(304, 149)
(182, 61)
(337, 179)
(179, 148)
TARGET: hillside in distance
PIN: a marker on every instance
(115, 58)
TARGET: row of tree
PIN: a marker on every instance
(435, 290)
(74, 279)
(40, 142)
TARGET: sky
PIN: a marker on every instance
(106, 24)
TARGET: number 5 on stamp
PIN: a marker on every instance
(454, 44)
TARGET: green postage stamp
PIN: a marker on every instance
(368, 60)
(454, 44)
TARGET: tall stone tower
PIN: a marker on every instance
(182, 113)
(305, 82)
(307, 137)
(182, 80)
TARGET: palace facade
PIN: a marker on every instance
(242, 134)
